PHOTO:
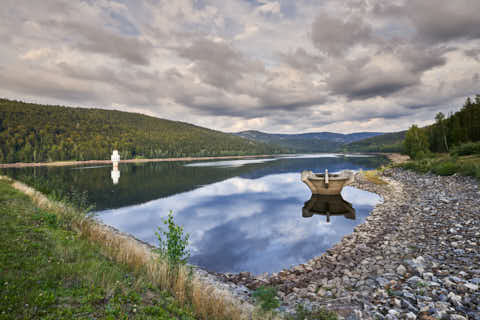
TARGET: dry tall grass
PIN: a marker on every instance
(208, 301)
(372, 176)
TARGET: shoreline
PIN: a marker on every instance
(417, 256)
(393, 157)
(75, 163)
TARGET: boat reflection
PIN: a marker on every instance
(328, 205)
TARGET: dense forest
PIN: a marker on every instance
(388, 142)
(36, 133)
(447, 134)
(459, 127)
(308, 142)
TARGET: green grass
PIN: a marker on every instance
(445, 165)
(47, 271)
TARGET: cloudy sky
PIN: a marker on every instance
(272, 65)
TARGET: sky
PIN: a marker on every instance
(279, 66)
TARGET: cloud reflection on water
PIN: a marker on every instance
(244, 224)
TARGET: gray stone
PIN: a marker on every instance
(381, 281)
(456, 279)
(408, 295)
(401, 270)
(471, 287)
(410, 316)
(455, 299)
(414, 280)
(397, 303)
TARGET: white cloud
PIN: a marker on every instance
(234, 65)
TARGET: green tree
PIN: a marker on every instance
(173, 242)
(440, 123)
(416, 142)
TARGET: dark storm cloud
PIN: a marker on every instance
(444, 20)
(219, 64)
(130, 79)
(360, 80)
(301, 60)
(52, 87)
(473, 53)
(421, 58)
(230, 108)
(294, 105)
(334, 36)
(90, 38)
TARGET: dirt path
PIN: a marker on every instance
(75, 163)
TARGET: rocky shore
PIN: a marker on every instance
(416, 257)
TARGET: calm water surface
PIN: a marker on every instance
(243, 215)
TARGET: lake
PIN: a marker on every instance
(242, 215)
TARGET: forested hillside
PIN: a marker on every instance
(308, 142)
(389, 142)
(32, 132)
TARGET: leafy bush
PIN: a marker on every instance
(422, 166)
(466, 149)
(175, 245)
(445, 168)
(266, 297)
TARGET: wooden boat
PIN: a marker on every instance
(327, 183)
(328, 205)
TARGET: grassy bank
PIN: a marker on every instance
(56, 264)
(446, 164)
(48, 271)
(92, 259)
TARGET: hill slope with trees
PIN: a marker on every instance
(37, 133)
(308, 142)
(388, 142)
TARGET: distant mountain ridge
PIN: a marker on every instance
(308, 142)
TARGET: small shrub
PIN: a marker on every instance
(266, 297)
(47, 218)
(445, 168)
(468, 169)
(466, 149)
(175, 245)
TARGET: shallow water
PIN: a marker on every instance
(242, 215)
